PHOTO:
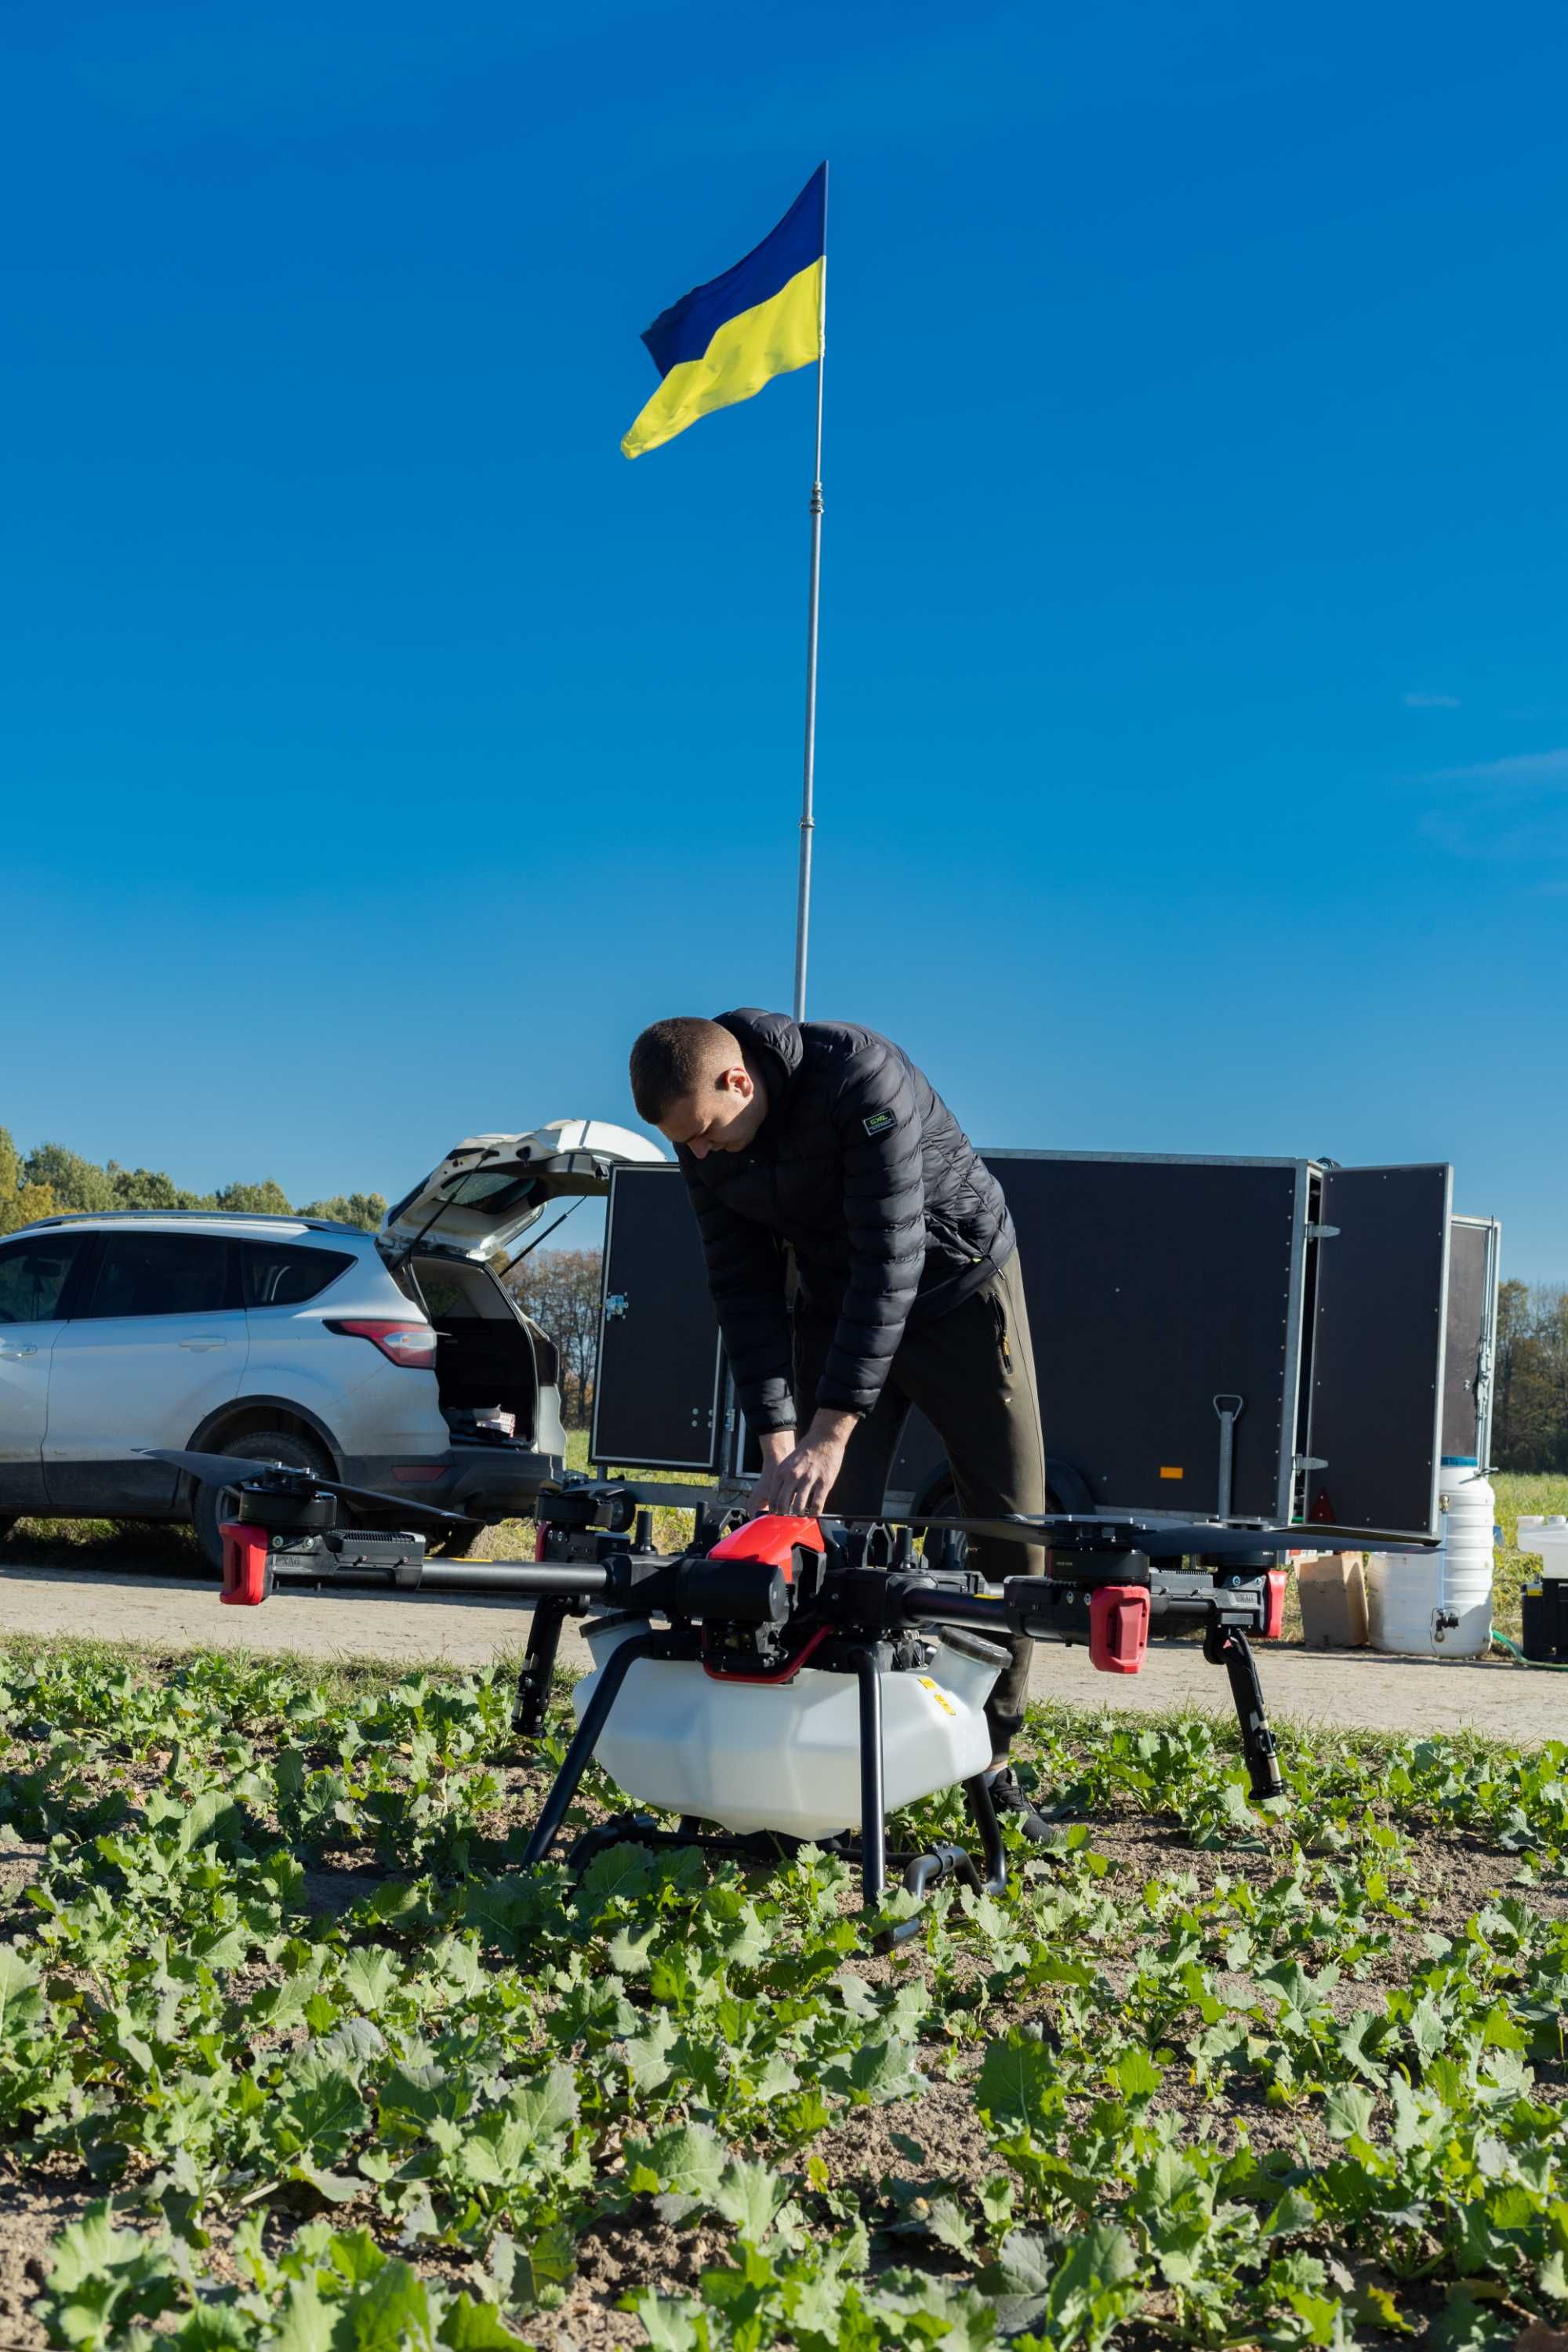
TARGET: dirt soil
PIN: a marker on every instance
(31, 2217)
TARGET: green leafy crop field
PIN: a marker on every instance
(293, 2055)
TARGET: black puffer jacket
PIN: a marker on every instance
(861, 1167)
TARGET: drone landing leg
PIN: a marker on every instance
(538, 1666)
(759, 1849)
(924, 1871)
(873, 1828)
(991, 1846)
(638, 1827)
(1227, 1646)
(605, 1692)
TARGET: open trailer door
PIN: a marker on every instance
(1473, 1251)
(1379, 1340)
(656, 1396)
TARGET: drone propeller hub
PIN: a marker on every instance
(298, 1488)
(295, 1506)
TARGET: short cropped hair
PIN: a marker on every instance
(671, 1058)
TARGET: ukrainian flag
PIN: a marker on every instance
(723, 341)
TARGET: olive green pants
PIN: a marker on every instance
(972, 1373)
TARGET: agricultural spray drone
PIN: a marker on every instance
(790, 1679)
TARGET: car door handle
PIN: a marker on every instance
(14, 1353)
(200, 1347)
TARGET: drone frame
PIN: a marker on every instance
(1111, 1577)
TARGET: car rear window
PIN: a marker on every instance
(161, 1274)
(496, 1191)
(279, 1274)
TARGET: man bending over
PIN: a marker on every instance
(824, 1140)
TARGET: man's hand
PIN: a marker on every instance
(777, 1446)
(799, 1477)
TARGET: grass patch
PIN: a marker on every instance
(1520, 1491)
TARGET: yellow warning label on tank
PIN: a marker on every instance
(939, 1695)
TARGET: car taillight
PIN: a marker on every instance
(400, 1343)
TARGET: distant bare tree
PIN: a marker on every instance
(560, 1290)
(1530, 1421)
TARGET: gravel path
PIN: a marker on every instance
(1353, 1690)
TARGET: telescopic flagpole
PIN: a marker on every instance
(807, 821)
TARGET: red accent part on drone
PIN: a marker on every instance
(541, 1541)
(1274, 1614)
(1118, 1628)
(244, 1566)
(785, 1673)
(771, 1539)
(1322, 1514)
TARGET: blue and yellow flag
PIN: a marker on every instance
(723, 341)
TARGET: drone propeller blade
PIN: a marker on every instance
(233, 1469)
(995, 1531)
(400, 1503)
(1161, 1539)
(214, 1469)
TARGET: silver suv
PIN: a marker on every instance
(397, 1361)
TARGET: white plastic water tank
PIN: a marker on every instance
(1439, 1605)
(786, 1756)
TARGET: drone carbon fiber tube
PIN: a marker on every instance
(873, 1828)
(525, 1578)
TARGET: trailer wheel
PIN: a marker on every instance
(940, 1500)
(1066, 1490)
(459, 1542)
(256, 1446)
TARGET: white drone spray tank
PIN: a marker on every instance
(754, 1754)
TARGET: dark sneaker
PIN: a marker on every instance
(1008, 1797)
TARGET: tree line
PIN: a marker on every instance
(1530, 1404)
(53, 1180)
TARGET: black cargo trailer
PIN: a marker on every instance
(1235, 1340)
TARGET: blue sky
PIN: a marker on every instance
(381, 748)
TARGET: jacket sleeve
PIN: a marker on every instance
(746, 1282)
(878, 1125)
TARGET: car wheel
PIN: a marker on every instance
(207, 1503)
